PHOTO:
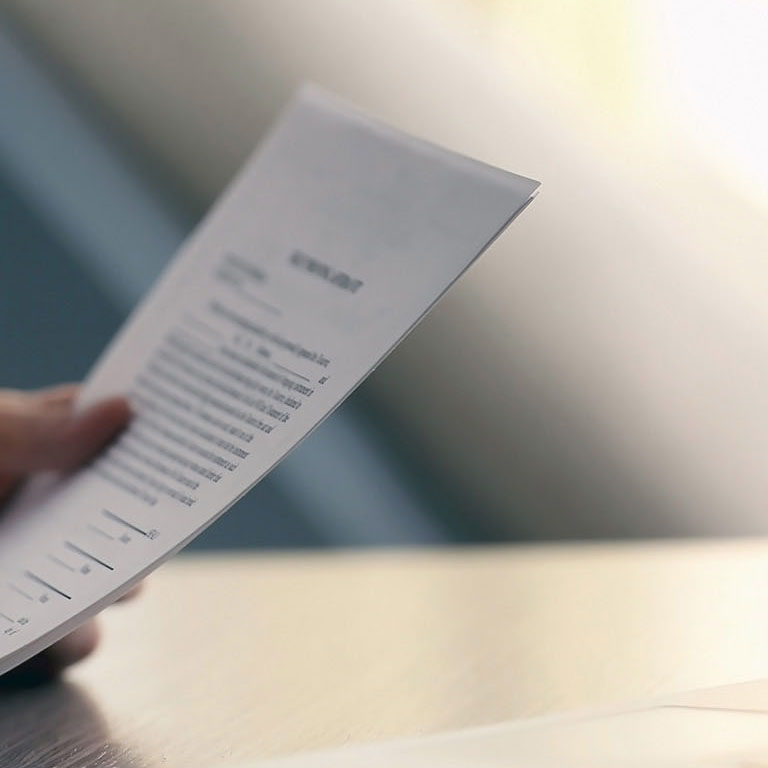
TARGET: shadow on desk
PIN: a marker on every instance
(57, 725)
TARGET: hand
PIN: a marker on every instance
(39, 431)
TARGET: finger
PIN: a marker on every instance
(60, 398)
(131, 593)
(27, 420)
(82, 436)
(64, 394)
(40, 431)
(50, 663)
(8, 481)
(73, 648)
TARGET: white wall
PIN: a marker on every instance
(604, 369)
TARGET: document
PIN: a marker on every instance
(332, 242)
(718, 728)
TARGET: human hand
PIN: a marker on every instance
(40, 431)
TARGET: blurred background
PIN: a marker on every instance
(615, 340)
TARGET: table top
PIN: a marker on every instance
(225, 659)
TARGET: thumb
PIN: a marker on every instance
(41, 430)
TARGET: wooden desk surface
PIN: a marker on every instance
(226, 659)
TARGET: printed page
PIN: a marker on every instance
(333, 241)
(724, 727)
(654, 737)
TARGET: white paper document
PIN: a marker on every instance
(333, 241)
(716, 728)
